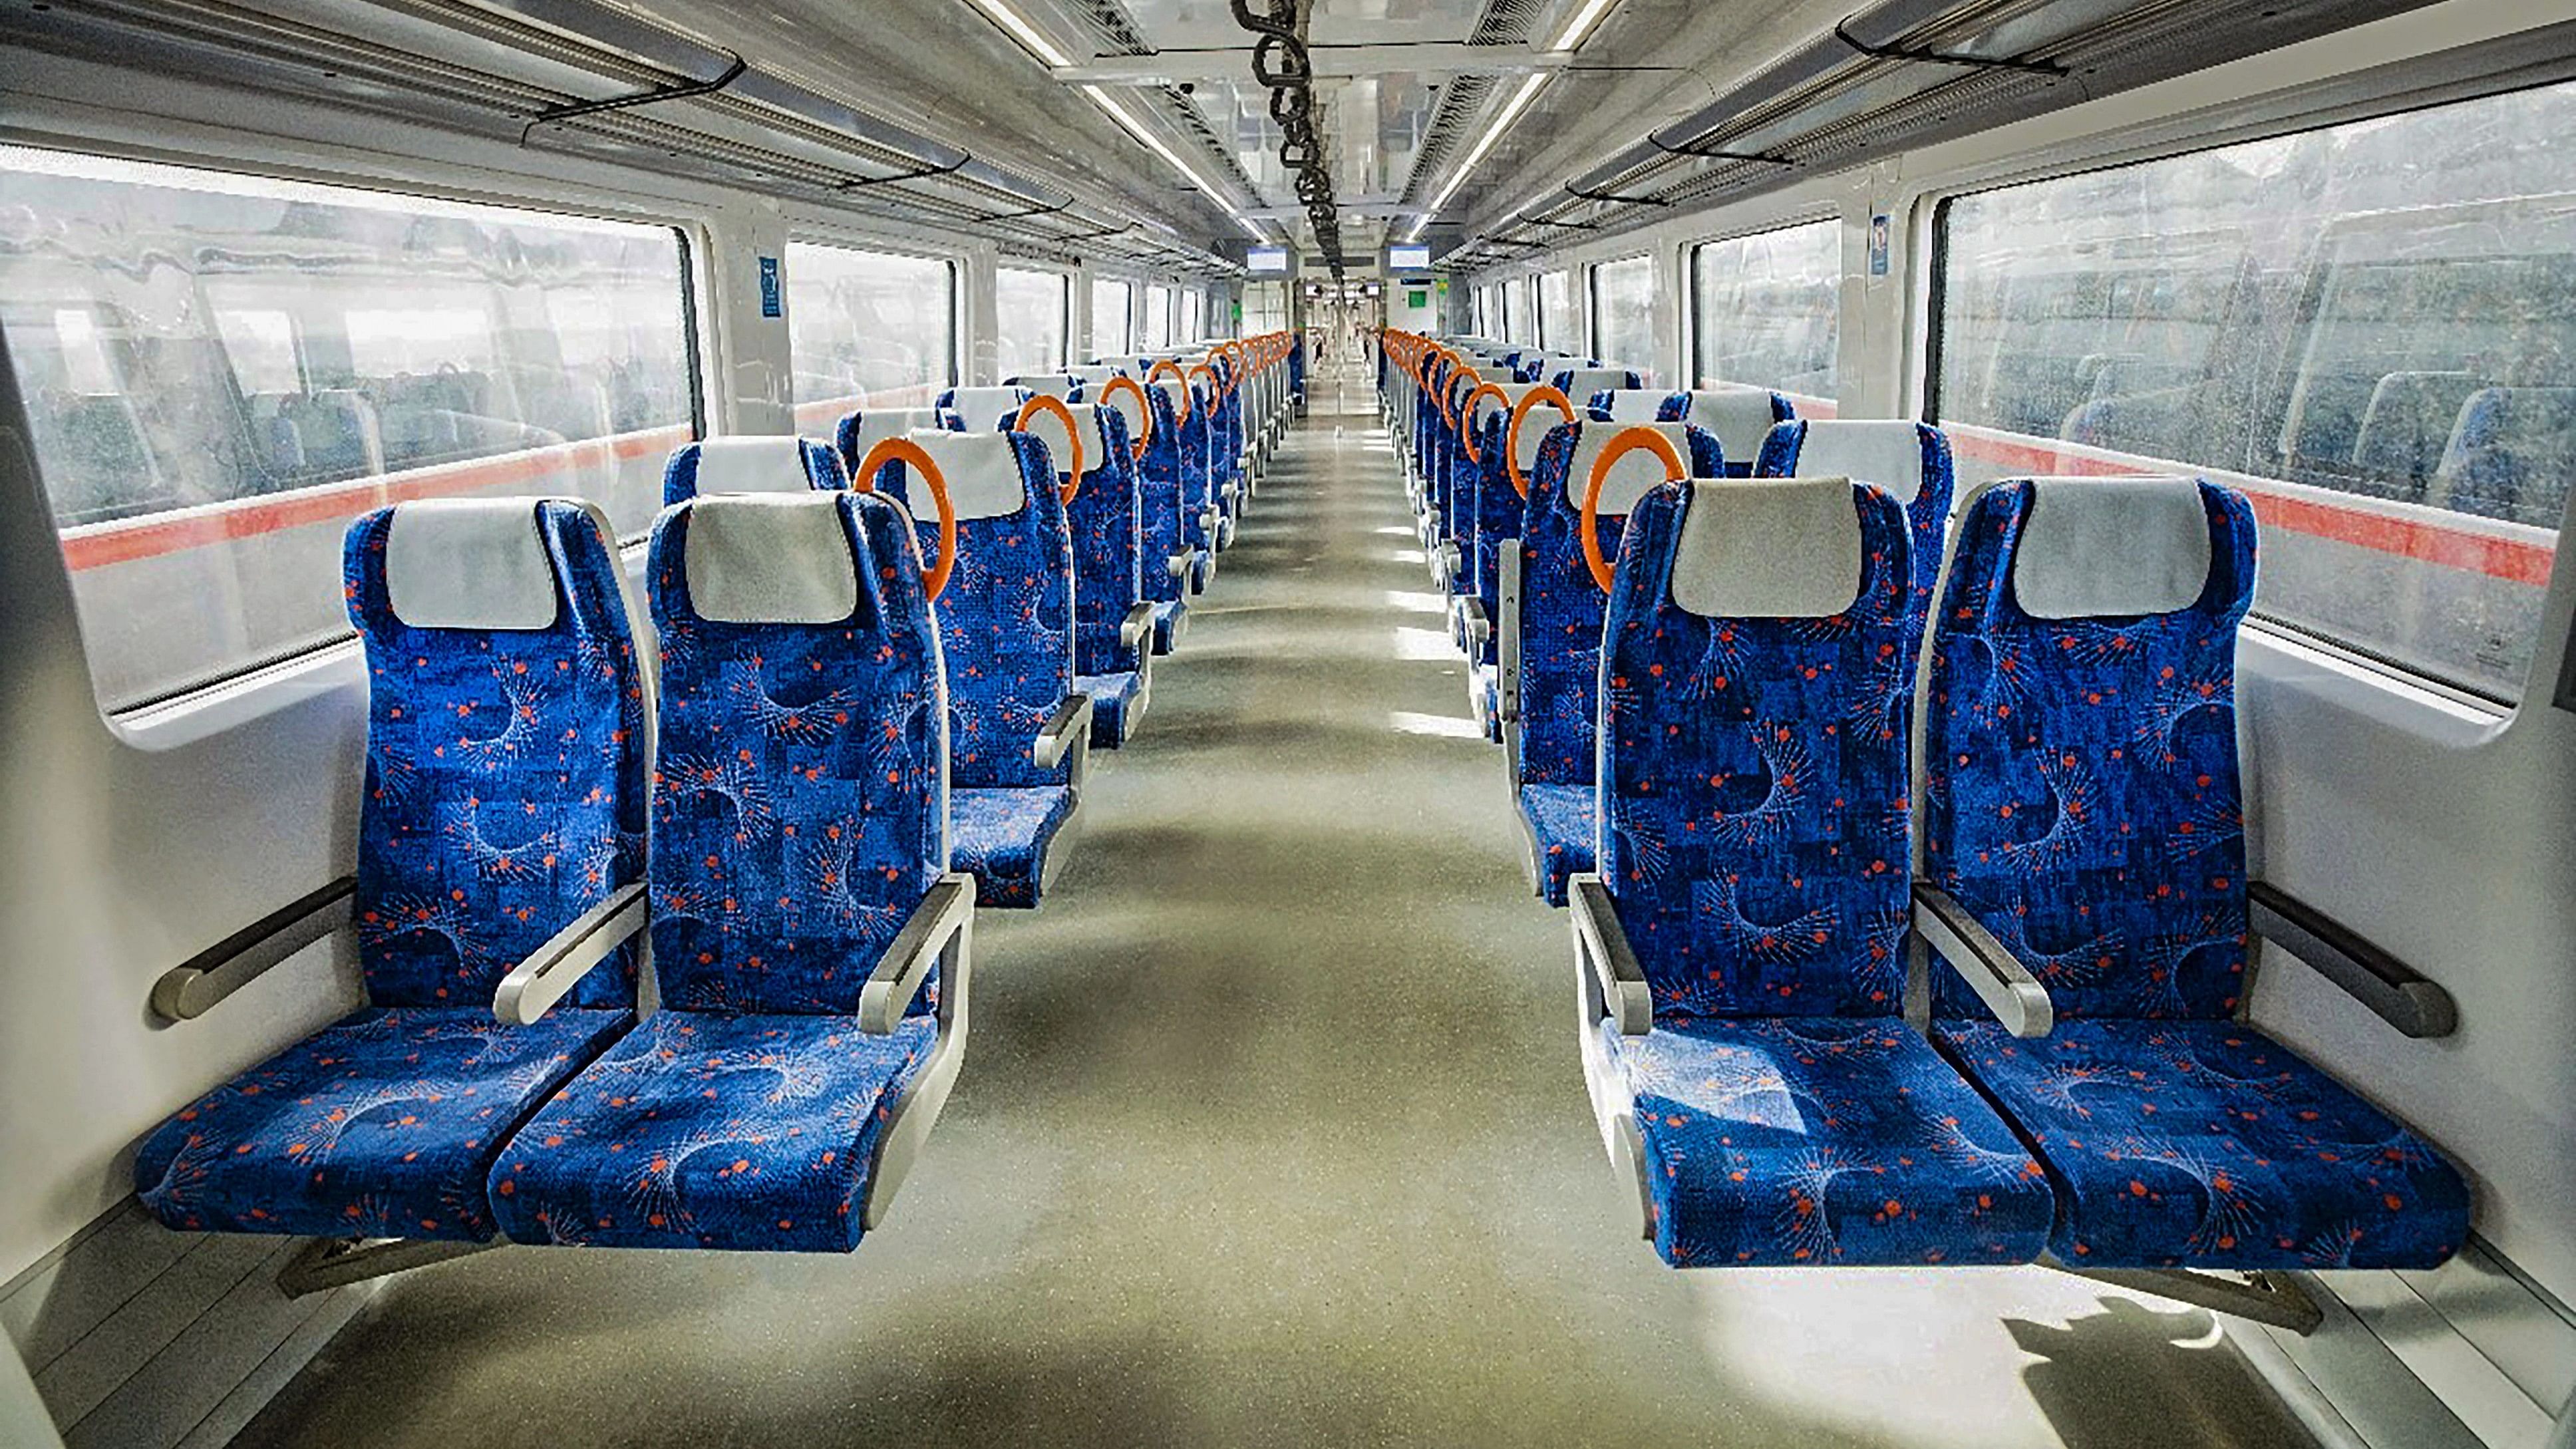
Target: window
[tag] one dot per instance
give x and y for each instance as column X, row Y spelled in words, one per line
column 867, row 329
column 2365, row 326
column 221, row 371
column 1193, row 314
column 1560, row 324
column 1113, row 319
column 1516, row 311
column 1623, row 314
column 1767, row 311
column 1031, row 313
column 1158, row 318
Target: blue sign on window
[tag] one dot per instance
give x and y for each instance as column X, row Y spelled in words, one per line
column 769, row 299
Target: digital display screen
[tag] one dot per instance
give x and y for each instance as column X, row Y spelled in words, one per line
column 1269, row 260
column 1408, row 259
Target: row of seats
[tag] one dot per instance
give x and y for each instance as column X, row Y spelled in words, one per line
column 1721, row 671
column 665, row 935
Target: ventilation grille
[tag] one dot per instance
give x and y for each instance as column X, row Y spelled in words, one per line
column 1116, row 29
column 1501, row 22
column 1180, row 110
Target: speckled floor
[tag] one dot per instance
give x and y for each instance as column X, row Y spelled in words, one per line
column 1271, row 1132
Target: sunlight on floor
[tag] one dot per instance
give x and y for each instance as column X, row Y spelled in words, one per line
column 1447, row 726
column 1415, row 602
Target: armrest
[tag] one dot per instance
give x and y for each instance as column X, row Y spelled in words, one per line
column 536, row 984
column 1507, row 629
column 1986, row 964
column 1479, row 628
column 1603, row 946
column 1136, row 631
column 939, row 923
column 191, row 988
column 1446, row 563
column 2369, row 974
column 1067, row 731
column 1178, row 565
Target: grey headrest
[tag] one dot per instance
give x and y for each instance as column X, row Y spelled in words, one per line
column 2095, row 547
column 1512, row 393
column 1887, row 452
column 983, row 408
column 1178, row 392
column 1632, row 477
column 469, row 563
column 1738, row 417
column 981, row 470
column 1131, row 407
column 770, row 558
column 877, row 425
column 1582, row 382
column 1768, row 548
column 746, row 464
column 1630, row 405
column 1048, row 385
column 1094, row 376
column 1047, row 428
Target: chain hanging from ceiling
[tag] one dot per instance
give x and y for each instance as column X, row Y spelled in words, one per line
column 1281, row 65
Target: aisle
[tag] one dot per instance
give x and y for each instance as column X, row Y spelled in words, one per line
column 1271, row 1132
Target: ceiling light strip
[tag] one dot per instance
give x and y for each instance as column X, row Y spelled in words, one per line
column 1512, row 109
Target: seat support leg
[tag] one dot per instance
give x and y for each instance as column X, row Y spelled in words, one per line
column 2264, row 1296
column 327, row 1263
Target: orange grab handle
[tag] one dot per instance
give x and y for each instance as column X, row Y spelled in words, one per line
column 1048, row 403
column 1469, row 408
column 1155, row 374
column 934, row 581
column 1144, row 409
column 1630, row 440
column 1512, row 436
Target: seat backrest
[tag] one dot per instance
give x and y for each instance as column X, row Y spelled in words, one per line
column 1560, row 641
column 1092, row 377
column 507, row 738
column 980, row 409
column 1189, row 439
column 1047, row 384
column 1107, row 521
column 1160, row 496
column 1740, row 418
column 2510, row 455
column 2079, row 739
column 1634, row 405
column 1006, row 619
column 2408, row 423
column 751, row 463
column 800, row 810
column 1908, row 461
column 861, row 431
column 1756, row 716
column 1580, row 383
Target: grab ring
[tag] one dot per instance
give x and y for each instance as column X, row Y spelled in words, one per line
column 1629, row 440
column 1545, row 393
column 1048, row 403
column 934, row 581
column 1144, row 409
column 1468, row 429
column 1155, row 374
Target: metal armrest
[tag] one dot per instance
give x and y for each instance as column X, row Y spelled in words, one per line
column 1615, row 984
column 1986, row 964
column 1067, row 731
column 1507, row 629
column 1136, row 631
column 1479, row 628
column 937, row 927
column 2368, row 973
column 1178, row 565
column 191, row 988
column 1447, row 563
column 536, row 984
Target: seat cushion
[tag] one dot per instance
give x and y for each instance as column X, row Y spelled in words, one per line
column 1823, row 1141
column 1001, row 837
column 1562, row 820
column 382, row 1125
column 1115, row 700
column 2206, row 1144
column 1171, row 616
column 706, row 1131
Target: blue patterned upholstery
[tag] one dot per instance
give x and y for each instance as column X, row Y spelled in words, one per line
column 1756, row 855
column 860, row 431
column 2082, row 801
column 1116, row 700
column 1162, row 533
column 1006, row 629
column 1636, row 405
column 1787, row 453
column 798, row 822
column 1107, row 523
column 1002, row 837
column 2510, row 455
column 1564, row 825
column 504, row 796
column 1561, row 613
column 1199, row 470
column 822, row 468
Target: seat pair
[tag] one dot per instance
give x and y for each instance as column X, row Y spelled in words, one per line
column 1744, row 948
column 809, row 952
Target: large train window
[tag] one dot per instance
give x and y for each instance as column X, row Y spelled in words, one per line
column 221, row 371
column 2365, row 326
column 1193, row 314
column 1158, row 318
column 1031, row 314
column 1113, row 317
column 1623, row 314
column 1560, row 324
column 867, row 329
column 1516, row 311
column 1766, row 310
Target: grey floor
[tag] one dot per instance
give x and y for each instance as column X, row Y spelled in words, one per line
column 1271, row 1132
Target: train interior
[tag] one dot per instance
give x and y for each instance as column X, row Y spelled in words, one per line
column 1139, row 722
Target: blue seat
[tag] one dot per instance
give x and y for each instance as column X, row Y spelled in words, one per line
column 752, row 463
column 1164, row 558
column 1637, row 405
column 1580, row 383
column 1910, row 461
column 1742, row 953
column 1062, row 386
column 1740, row 418
column 808, row 945
column 1019, row 732
column 1551, row 649
column 863, row 430
column 1493, row 513
column 1176, row 468
column 2510, row 455
column 1113, row 631
column 2083, row 809
column 979, row 409
column 504, row 805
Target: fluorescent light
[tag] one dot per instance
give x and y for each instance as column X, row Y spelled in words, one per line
column 1511, row 112
column 1024, row 32
column 1575, row 29
column 1154, row 143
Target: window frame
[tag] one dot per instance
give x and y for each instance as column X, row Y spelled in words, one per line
column 848, row 241
column 1064, row 292
column 1785, row 221
column 1592, row 298
column 1127, row 326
